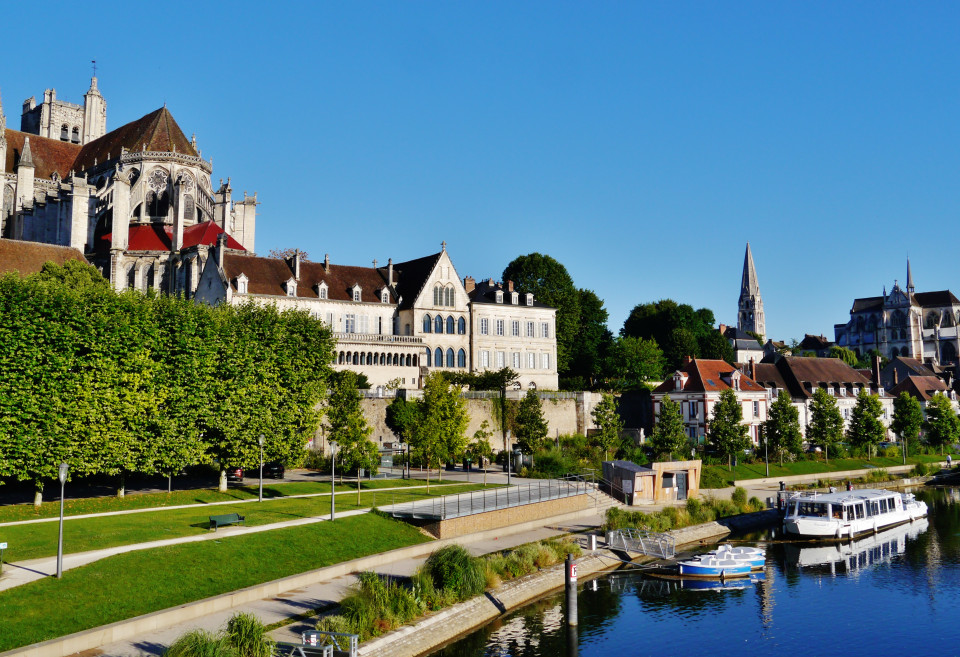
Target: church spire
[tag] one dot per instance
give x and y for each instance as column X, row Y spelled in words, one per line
column 910, row 289
column 750, row 308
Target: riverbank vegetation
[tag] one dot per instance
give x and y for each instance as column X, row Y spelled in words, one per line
column 451, row 575
column 696, row 511
column 243, row 636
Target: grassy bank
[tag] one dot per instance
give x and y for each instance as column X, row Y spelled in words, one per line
column 82, row 534
column 136, row 583
column 697, row 511
column 449, row 576
column 718, row 476
column 76, row 507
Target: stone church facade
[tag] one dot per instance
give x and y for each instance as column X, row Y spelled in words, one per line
column 906, row 323
column 138, row 200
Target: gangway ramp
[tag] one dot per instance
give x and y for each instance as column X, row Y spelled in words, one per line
column 643, row 542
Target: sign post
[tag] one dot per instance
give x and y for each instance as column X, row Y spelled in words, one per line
column 3, row 546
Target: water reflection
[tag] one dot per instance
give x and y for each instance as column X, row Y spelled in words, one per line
column 877, row 596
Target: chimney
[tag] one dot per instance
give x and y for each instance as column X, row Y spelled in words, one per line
column 390, row 272
column 896, row 376
column 876, row 370
column 221, row 247
column 326, row 262
column 469, row 284
column 722, row 328
column 687, row 360
column 509, row 286
column 296, row 264
column 752, row 372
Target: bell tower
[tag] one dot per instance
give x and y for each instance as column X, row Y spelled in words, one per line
column 750, row 308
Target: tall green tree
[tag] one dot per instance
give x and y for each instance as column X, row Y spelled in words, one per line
column 677, row 328
column 480, row 450
column 727, row 432
column 782, row 428
column 593, row 339
column 848, row 356
column 942, row 427
column 633, row 361
column 668, row 437
column 402, row 417
column 349, row 428
column 826, row 423
column 866, row 429
column 715, row 346
column 907, row 419
column 552, row 285
column 608, row 423
column 530, row 424
column 440, row 432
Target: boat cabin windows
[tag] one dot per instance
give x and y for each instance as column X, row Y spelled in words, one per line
column 855, row 511
column 836, row 511
column 812, row 509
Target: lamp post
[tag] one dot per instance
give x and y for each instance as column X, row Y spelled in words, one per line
column 62, row 475
column 260, row 440
column 509, row 456
column 333, row 454
column 766, row 457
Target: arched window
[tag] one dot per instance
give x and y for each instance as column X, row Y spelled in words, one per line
column 427, row 323
column 948, row 353
column 356, row 358
column 75, row 135
column 438, row 357
column 411, row 360
column 64, row 133
column 438, row 324
column 894, row 352
column 461, row 358
column 448, row 296
column 462, row 326
column 428, row 357
column 450, row 324
column 437, row 296
column 932, row 320
column 340, row 359
column 450, row 358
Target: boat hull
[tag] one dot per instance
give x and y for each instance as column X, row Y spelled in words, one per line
column 713, row 571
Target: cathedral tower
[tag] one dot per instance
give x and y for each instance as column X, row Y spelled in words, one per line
column 750, row 309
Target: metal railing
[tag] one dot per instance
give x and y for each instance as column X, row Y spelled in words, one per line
column 465, row 504
column 642, row 541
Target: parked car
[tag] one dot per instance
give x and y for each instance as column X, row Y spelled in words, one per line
column 273, row 469
column 234, row 473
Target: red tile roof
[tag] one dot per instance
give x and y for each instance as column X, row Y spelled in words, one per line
column 157, row 237
column 920, row 387
column 707, row 376
column 49, row 155
column 29, row 257
column 267, row 276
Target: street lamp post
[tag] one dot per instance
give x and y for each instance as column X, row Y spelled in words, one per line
column 63, row 480
column 766, row 457
column 509, row 457
column 333, row 454
column 260, row 440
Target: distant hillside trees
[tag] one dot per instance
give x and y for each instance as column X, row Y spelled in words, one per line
column 119, row 383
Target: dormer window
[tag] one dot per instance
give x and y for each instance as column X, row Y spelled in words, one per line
column 384, row 296
column 499, row 296
column 355, row 293
column 242, row 282
column 515, row 298
column 322, row 290
column 529, row 298
column 291, row 287
column 880, row 391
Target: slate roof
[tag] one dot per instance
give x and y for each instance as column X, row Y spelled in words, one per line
column 814, row 342
column 268, row 275
column 49, row 155
column 913, row 365
column 486, row 292
column 29, row 257
column 157, row 237
column 411, row 276
column 157, row 131
column 705, row 376
column 920, row 387
column 925, row 299
column 867, row 303
column 801, row 376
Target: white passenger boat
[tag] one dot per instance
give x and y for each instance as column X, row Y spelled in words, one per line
column 849, row 513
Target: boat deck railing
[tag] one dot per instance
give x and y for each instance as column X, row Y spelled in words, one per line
column 641, row 541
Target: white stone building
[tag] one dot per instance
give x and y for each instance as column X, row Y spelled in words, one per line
column 137, row 200
column 396, row 324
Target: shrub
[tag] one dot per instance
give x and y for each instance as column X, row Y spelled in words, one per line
column 200, row 643
column 920, row 470
column 249, row 636
column 891, row 452
column 756, row 504
column 454, row 569
column 739, row 496
column 879, row 474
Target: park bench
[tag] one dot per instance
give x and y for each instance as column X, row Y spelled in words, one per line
column 226, row 519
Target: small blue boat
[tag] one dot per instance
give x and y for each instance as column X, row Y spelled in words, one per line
column 713, row 567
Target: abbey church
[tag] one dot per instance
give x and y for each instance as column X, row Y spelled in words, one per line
column 138, row 200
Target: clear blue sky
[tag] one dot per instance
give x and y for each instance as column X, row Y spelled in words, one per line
column 640, row 144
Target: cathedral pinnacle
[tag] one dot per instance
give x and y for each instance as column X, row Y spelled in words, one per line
column 750, row 308
column 26, row 158
column 910, row 289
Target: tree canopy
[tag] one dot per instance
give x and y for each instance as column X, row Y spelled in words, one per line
column 631, row 362
column 866, row 430
column 942, row 427
column 439, row 434
column 677, row 328
column 668, row 438
column 782, row 428
column 826, row 423
column 727, row 433
column 907, row 418
column 531, row 427
column 608, row 422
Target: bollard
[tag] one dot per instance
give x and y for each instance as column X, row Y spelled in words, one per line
column 570, row 571
column 593, row 542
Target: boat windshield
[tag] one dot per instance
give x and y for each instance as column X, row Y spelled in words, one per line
column 812, row 509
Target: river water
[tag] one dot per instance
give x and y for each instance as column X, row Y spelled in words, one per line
column 894, row 594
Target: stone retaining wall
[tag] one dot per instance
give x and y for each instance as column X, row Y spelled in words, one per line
column 507, row 517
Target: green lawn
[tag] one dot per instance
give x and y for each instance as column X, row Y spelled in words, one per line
column 136, row 583
column 35, row 540
column 75, row 507
column 724, row 477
